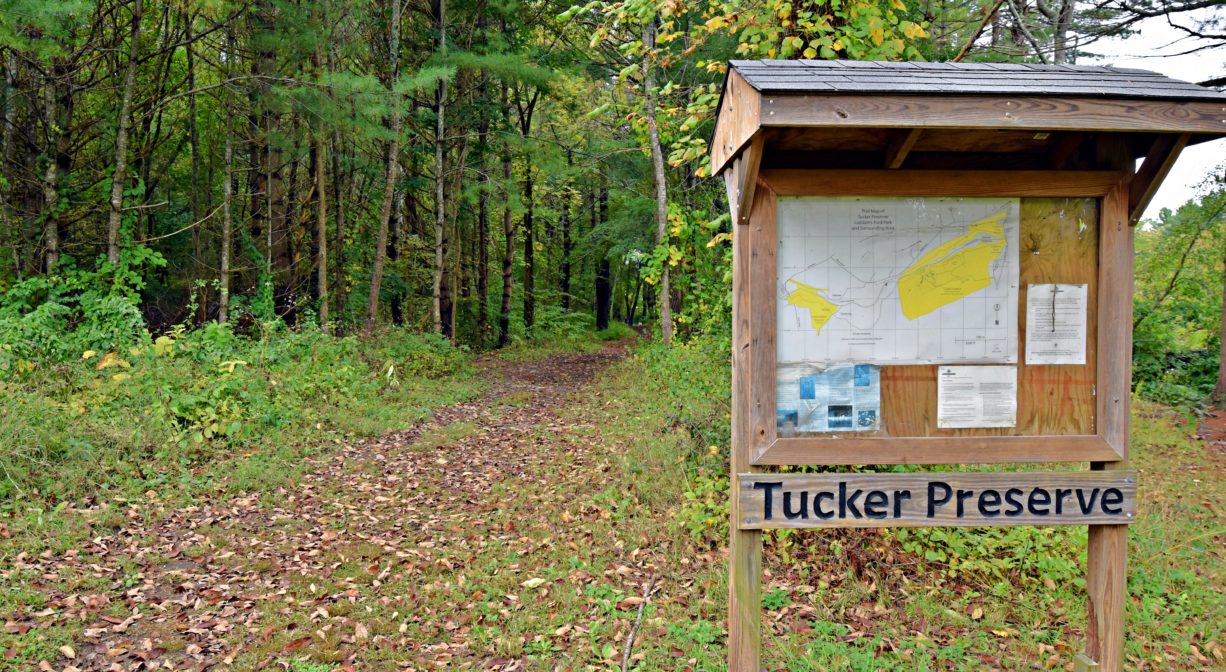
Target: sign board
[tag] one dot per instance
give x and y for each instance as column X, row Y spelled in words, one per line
column 769, row 501
column 930, row 267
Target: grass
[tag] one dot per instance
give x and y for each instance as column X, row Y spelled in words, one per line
column 622, row 486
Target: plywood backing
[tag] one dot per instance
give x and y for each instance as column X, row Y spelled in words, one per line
column 1059, row 244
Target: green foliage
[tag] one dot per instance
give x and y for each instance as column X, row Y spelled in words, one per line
column 156, row 409
column 775, row 599
column 702, row 633
column 1178, row 304
column 1018, row 554
column 48, row 319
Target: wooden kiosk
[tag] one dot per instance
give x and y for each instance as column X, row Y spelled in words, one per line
column 899, row 228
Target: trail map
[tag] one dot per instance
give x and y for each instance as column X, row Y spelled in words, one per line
column 897, row 280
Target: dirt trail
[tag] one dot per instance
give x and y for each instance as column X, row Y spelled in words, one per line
column 218, row 585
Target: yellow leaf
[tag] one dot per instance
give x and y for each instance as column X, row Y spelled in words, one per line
column 164, row 345
column 120, row 377
column 977, row 613
column 533, row 583
column 230, row 365
column 88, row 354
column 112, row 359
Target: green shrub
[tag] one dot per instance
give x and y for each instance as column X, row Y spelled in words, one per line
column 77, row 421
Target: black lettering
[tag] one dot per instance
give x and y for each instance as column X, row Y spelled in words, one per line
column 848, row 503
column 876, row 504
column 787, row 506
column 989, row 503
column 817, row 505
column 1086, row 508
column 767, row 496
column 1015, row 504
column 933, row 501
column 1038, row 498
column 963, row 495
column 900, row 495
column 1061, row 495
column 1113, row 507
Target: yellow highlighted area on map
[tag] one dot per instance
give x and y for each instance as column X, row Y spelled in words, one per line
column 820, row 308
column 952, row 271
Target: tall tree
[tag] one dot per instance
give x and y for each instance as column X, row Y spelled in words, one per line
column 658, row 176
column 121, row 137
column 391, row 164
column 440, row 205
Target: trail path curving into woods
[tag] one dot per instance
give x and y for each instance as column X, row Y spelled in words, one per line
column 361, row 564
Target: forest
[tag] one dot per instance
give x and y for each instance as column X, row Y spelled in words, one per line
column 246, row 246
column 483, row 171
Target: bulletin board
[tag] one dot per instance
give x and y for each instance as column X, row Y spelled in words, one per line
column 1054, row 241
column 1040, row 246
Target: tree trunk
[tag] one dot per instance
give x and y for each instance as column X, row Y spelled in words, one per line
column 194, row 140
column 1219, row 392
column 389, row 186
column 339, row 205
column 10, row 232
column 657, row 164
column 121, row 140
column 321, row 234
column 604, row 286
column 529, row 253
column 227, row 231
column 483, row 247
column 453, row 248
column 342, row 293
column 51, row 194
column 565, row 224
column 440, row 253
column 508, row 255
column 395, row 301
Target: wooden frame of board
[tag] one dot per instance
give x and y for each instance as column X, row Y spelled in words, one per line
column 756, row 445
column 1110, row 268
column 848, row 129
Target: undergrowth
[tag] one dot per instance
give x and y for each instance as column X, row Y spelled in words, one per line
column 1010, row 594
column 142, row 412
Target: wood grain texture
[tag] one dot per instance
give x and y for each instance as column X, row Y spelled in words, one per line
column 934, row 450
column 745, row 546
column 1005, row 112
column 936, row 499
column 736, row 123
column 898, row 149
column 732, row 184
column 1057, row 405
column 882, row 182
column 1059, row 244
column 749, row 163
column 1115, row 262
column 1158, row 162
column 763, row 293
column 1107, row 546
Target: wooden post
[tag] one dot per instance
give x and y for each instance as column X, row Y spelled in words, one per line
column 745, row 548
column 1107, row 550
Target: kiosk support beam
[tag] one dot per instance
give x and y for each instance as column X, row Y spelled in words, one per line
column 1158, row 161
column 1107, row 551
column 745, row 550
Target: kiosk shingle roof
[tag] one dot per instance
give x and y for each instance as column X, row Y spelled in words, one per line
column 833, row 77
